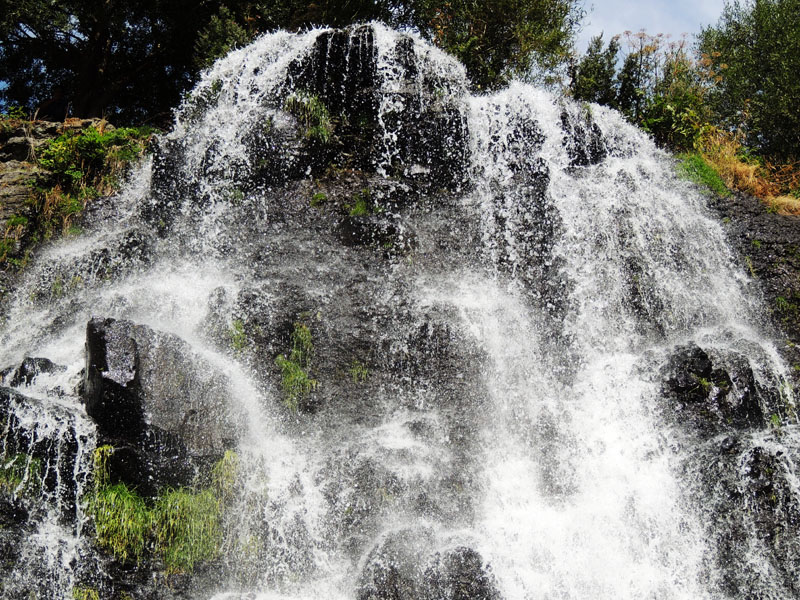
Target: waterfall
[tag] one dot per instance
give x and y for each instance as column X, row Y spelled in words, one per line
column 527, row 363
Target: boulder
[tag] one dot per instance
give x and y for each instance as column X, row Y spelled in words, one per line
column 402, row 567
column 29, row 370
column 718, row 393
column 162, row 407
column 459, row 574
column 393, row 569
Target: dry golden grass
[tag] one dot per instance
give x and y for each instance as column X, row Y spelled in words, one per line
column 768, row 182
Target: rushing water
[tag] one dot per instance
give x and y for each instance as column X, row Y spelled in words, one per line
column 514, row 410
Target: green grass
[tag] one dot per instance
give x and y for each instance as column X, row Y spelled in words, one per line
column 296, row 381
column 180, row 526
column 85, row 593
column 363, row 204
column 319, row 199
column 358, row 372
column 692, row 166
column 312, row 114
column 20, row 474
column 186, row 524
column 237, row 336
column 122, row 521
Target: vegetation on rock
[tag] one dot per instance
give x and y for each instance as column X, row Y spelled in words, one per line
column 296, row 380
column 181, row 527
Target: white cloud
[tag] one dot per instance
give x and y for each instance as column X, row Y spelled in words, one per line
column 673, row 17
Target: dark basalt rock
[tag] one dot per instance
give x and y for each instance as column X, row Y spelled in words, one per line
column 459, row 574
column 402, row 567
column 36, row 430
column 376, row 230
column 394, row 568
column 719, row 393
column 582, row 139
column 748, row 501
column 26, row 372
column 160, row 404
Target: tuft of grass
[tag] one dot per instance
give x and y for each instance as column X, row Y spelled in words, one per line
column 85, row 593
column 363, row 204
column 122, row 521
column 319, row 199
column 181, row 526
column 20, row 474
column 776, row 185
column 187, row 529
column 313, row 114
column 694, row 167
column 296, row 380
column 224, row 475
column 358, row 372
column 237, row 336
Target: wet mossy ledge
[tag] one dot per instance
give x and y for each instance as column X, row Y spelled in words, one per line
column 178, row 527
column 51, row 171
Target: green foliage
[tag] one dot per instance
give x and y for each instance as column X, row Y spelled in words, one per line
column 296, row 381
column 594, row 77
column 358, row 372
column 81, row 165
column 694, row 167
column 362, row 205
column 224, row 475
column 238, row 336
column 319, row 199
column 20, row 474
column 752, row 56
column 182, row 527
column 85, row 593
column 127, row 60
column 500, row 39
column 186, row 527
column 14, row 113
column 122, row 521
column 218, row 37
column 312, row 114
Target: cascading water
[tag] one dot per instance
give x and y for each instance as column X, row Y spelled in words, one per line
column 538, row 371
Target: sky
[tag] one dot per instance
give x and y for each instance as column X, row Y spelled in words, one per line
column 673, row 17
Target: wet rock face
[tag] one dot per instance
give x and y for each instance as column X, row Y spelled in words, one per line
column 459, row 574
column 717, row 394
column 29, row 370
column 749, row 502
column 162, row 406
column 582, row 138
column 403, row 567
column 38, row 446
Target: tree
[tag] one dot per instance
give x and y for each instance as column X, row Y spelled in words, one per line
column 753, row 57
column 132, row 60
column 593, row 79
column 500, row 39
column 97, row 57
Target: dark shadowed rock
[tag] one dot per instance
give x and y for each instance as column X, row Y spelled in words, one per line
column 29, row 370
column 719, row 393
column 164, row 407
column 394, row 568
column 403, row 567
column 583, row 139
column 459, row 574
column 43, row 437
